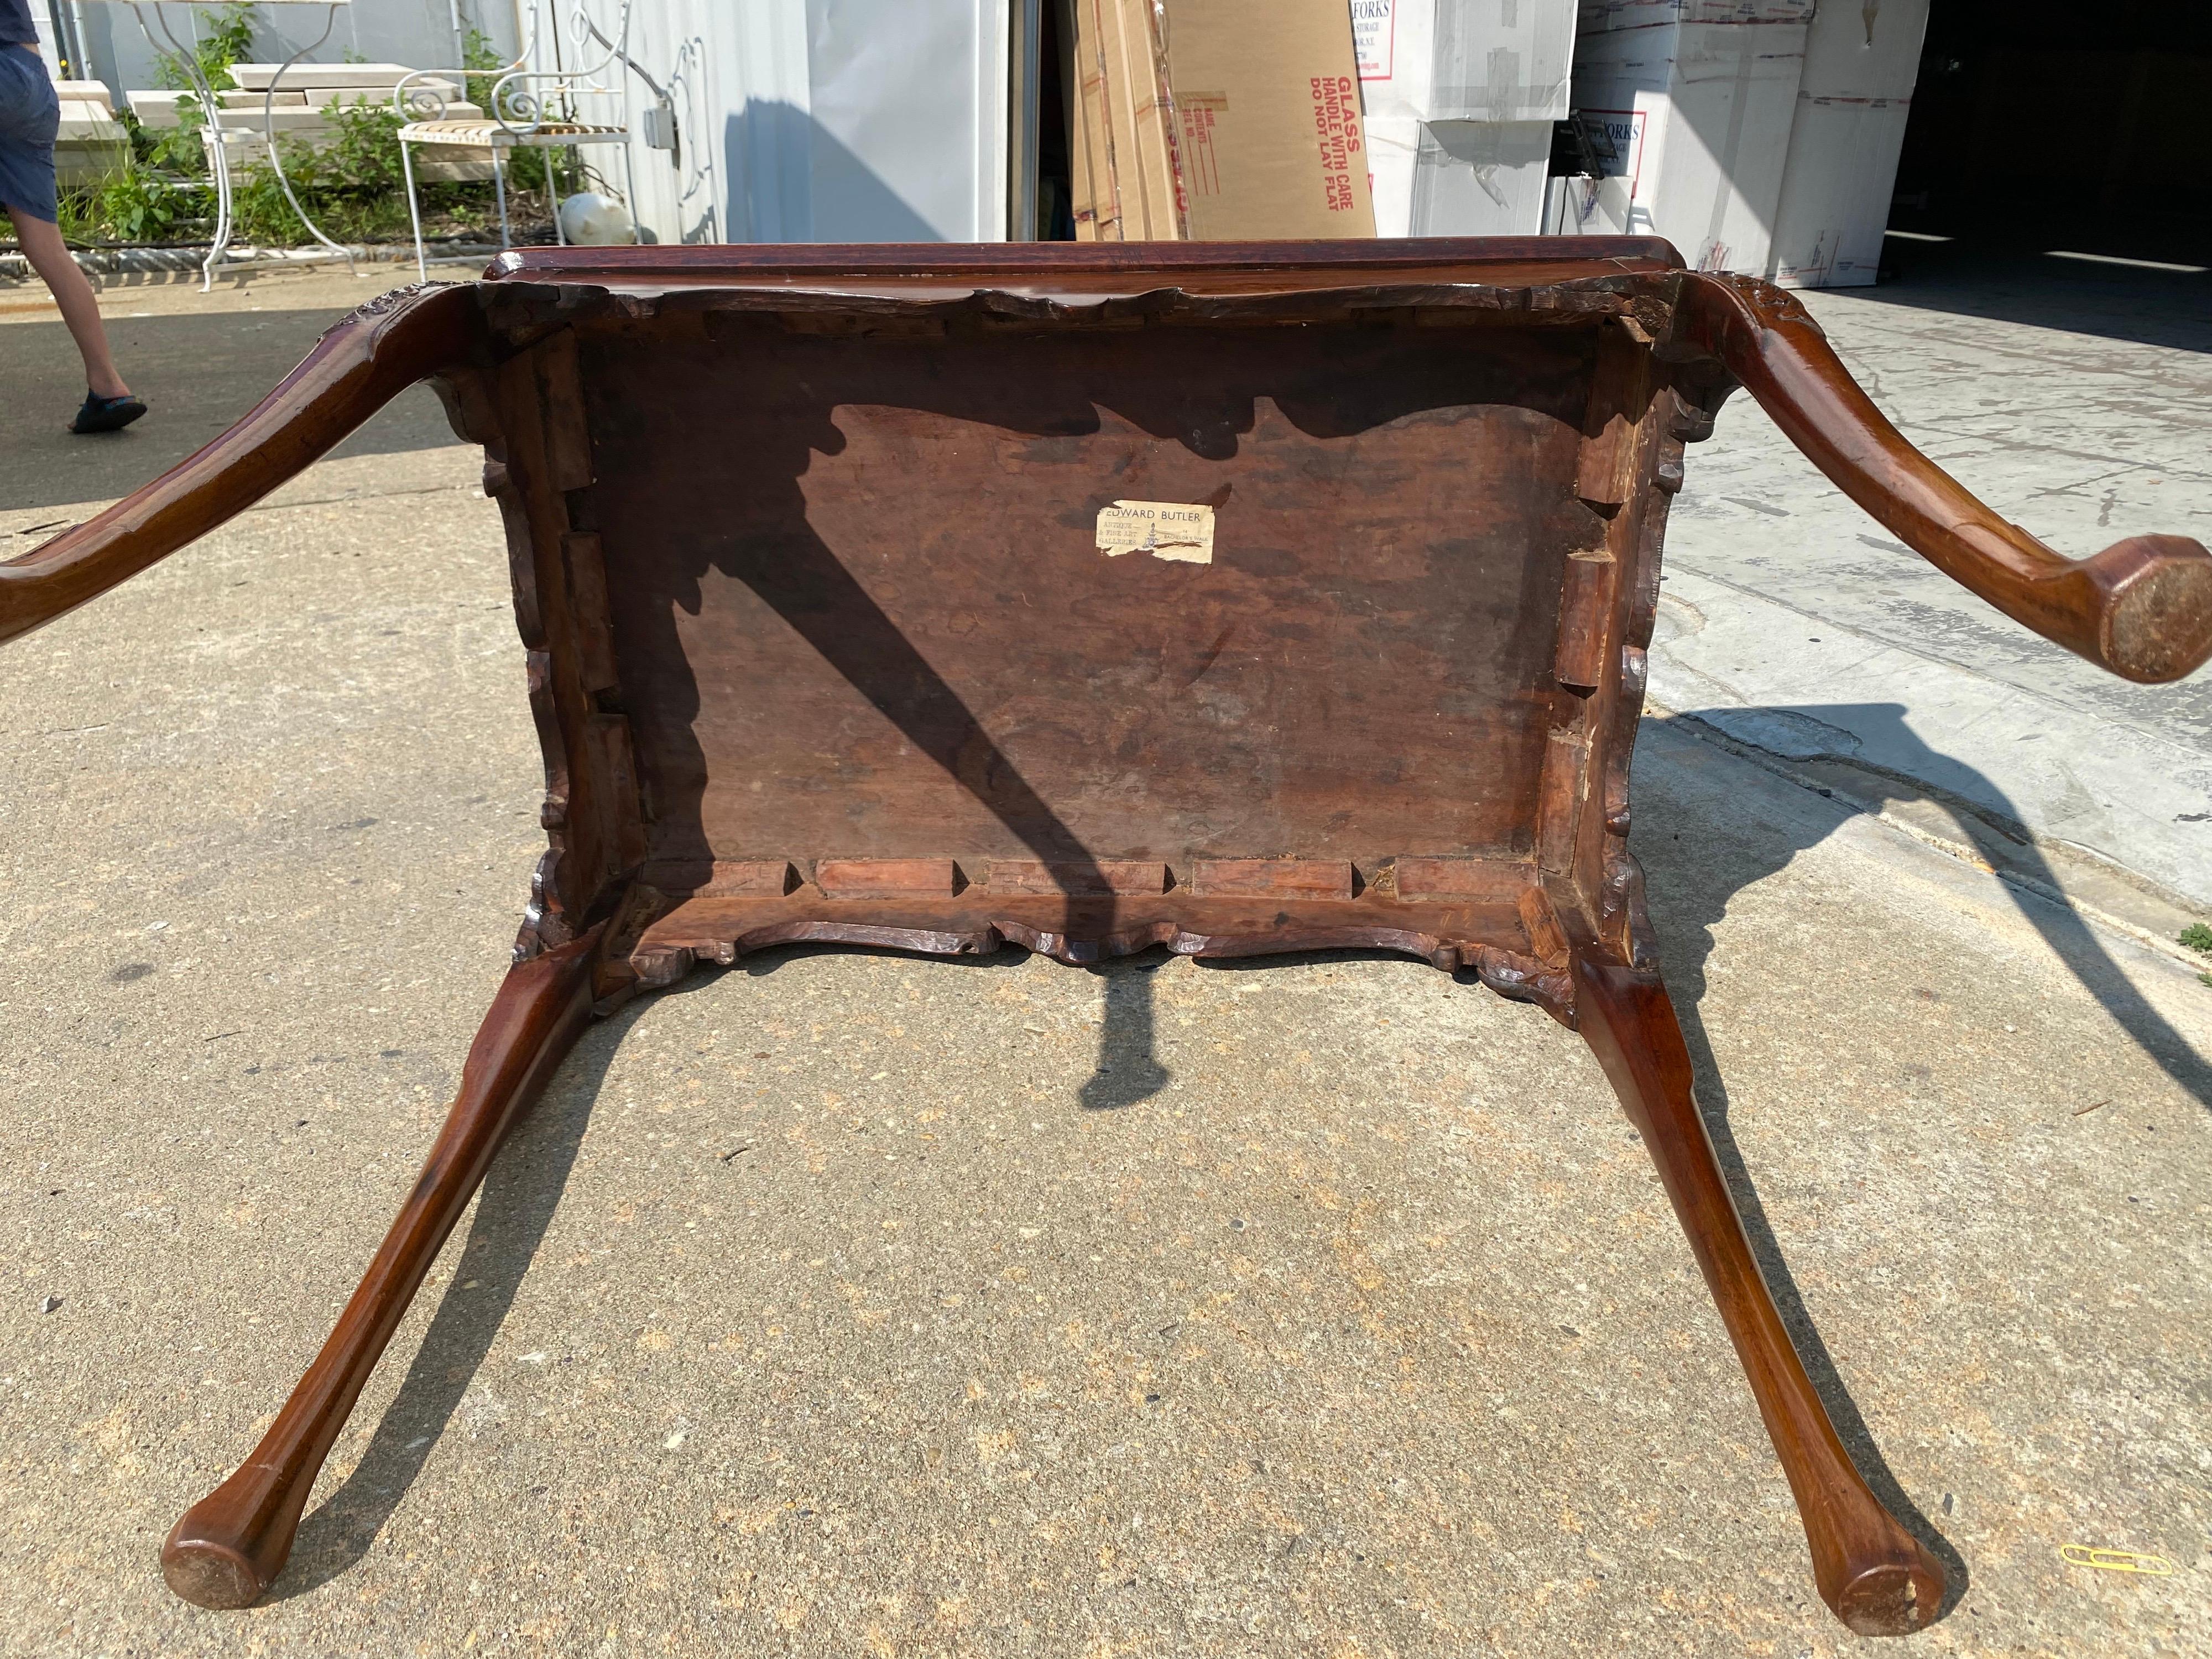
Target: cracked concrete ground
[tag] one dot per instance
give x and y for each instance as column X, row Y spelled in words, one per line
column 812, row 1312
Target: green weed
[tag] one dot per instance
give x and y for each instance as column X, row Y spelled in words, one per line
column 228, row 39
column 350, row 183
column 476, row 53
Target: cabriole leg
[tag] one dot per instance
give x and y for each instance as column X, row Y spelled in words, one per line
column 230, row 1545
column 1871, row 1571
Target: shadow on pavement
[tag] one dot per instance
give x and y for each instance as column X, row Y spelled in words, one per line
column 1696, row 868
column 1690, row 893
column 1882, row 728
column 1128, row 1069
column 516, row 1205
column 198, row 373
column 1975, row 278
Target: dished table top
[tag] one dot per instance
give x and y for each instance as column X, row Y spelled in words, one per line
column 1091, row 271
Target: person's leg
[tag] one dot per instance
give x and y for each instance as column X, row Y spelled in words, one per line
column 49, row 255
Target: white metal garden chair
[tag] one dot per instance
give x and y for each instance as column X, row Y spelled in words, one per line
column 534, row 104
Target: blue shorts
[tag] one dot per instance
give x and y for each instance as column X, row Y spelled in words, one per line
column 30, row 115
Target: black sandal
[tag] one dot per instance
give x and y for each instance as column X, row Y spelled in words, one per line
column 107, row 414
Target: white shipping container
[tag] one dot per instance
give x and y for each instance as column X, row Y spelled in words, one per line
column 1464, row 60
column 1853, row 101
column 1459, row 97
column 42, row 25
column 1700, row 112
column 907, row 110
column 1458, row 178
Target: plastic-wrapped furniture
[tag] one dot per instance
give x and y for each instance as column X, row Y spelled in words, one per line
column 1236, row 598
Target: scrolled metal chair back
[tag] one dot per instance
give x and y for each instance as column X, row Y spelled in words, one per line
column 528, row 94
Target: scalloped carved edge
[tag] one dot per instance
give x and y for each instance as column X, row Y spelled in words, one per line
column 1521, row 978
column 390, row 301
column 1776, row 305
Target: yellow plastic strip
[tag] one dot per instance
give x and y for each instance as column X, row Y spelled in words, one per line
column 2083, row 1555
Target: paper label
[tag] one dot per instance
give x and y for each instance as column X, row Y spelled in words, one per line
column 1201, row 168
column 1166, row 530
column 1373, row 38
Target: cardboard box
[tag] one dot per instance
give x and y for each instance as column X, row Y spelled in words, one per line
column 1140, row 121
column 1853, row 99
column 1698, row 97
column 1269, row 132
column 1123, row 126
column 1218, row 119
column 1096, row 204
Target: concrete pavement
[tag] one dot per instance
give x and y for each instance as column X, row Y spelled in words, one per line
column 811, row 1313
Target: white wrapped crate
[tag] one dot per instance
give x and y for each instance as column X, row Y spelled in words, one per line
column 88, row 92
column 1458, row 178
column 1698, row 97
column 286, row 119
column 1464, row 60
column 324, row 97
column 1459, row 96
column 90, row 143
column 1861, row 63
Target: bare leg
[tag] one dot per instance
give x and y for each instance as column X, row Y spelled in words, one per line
column 230, row 1545
column 50, row 257
column 1871, row 1573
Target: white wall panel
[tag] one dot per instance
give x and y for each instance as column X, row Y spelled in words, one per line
column 821, row 120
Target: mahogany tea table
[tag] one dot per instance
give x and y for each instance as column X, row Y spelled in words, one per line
column 1233, row 597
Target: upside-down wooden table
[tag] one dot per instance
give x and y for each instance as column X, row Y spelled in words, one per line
column 1236, row 598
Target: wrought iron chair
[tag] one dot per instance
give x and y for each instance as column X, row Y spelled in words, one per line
column 534, row 104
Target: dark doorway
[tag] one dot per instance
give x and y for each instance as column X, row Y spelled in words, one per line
column 2042, row 125
column 1056, row 122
